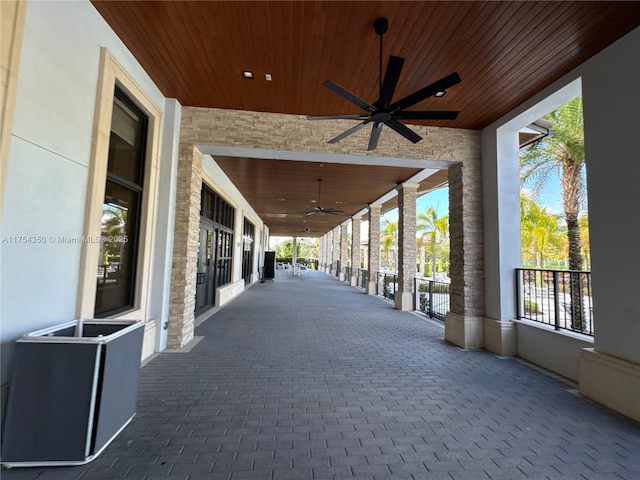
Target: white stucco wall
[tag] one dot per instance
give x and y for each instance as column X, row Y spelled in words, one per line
column 48, row 164
column 611, row 90
column 609, row 83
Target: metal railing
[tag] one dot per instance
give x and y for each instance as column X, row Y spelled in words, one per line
column 431, row 297
column 363, row 278
column 559, row 298
column 347, row 274
column 387, row 285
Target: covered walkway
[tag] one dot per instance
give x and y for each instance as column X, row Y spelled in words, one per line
column 305, row 378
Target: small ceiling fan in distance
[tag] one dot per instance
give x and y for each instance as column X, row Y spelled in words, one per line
column 307, row 229
column 319, row 209
column 382, row 111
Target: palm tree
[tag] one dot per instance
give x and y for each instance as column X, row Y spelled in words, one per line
column 389, row 237
column 563, row 153
column 583, row 221
column 540, row 230
column 433, row 233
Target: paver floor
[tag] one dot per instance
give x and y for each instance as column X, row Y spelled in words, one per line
column 306, row 378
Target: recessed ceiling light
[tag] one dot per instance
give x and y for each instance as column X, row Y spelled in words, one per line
column 440, row 94
column 267, row 77
column 247, row 74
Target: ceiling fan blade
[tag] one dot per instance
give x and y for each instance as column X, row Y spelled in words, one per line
column 391, row 77
column 349, row 132
column 375, row 136
column 347, row 95
column 426, row 115
column 403, row 130
column 426, row 92
column 355, row 116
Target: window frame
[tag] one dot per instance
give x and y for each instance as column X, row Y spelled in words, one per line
column 112, row 75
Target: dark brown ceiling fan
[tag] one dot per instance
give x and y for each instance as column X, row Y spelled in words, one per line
column 382, row 111
column 307, row 229
column 319, row 209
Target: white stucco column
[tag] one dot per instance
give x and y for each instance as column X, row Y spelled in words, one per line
column 344, row 251
column 374, row 248
column 610, row 372
column 501, row 216
column 406, row 245
column 355, row 250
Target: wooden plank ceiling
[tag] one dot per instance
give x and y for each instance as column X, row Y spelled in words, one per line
column 285, row 191
column 505, row 52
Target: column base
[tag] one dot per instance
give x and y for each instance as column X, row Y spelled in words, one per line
column 403, row 301
column 372, row 288
column 465, row 332
column 500, row 337
column 610, row 381
column 354, row 281
column 341, row 277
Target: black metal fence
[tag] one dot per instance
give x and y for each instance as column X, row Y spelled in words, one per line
column 363, row 278
column 347, row 274
column 431, row 297
column 559, row 298
column 387, row 285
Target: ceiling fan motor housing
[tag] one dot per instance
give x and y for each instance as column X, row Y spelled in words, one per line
column 381, row 26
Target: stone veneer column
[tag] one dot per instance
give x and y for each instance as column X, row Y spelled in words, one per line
column 355, row 250
column 330, row 253
column 182, row 301
column 335, row 251
column 374, row 248
column 294, row 253
column 464, row 322
column 406, row 245
column 344, row 252
column 321, row 254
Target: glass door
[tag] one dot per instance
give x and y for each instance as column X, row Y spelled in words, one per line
column 204, row 280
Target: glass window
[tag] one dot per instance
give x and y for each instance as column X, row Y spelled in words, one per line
column 121, row 209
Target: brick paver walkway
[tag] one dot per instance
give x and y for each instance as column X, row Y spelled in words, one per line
column 306, row 378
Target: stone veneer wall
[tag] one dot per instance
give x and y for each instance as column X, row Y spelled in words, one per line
column 355, row 246
column 466, row 234
column 344, row 251
column 182, row 301
column 406, row 237
column 245, row 129
column 335, row 248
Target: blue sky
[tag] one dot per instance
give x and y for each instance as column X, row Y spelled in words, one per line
column 549, row 197
column 439, row 199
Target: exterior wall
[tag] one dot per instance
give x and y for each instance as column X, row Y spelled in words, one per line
column 50, row 163
column 355, row 250
column 344, row 257
column 12, row 16
column 609, row 372
column 185, row 247
column 272, row 131
column 374, row 248
column 406, row 245
column 335, row 248
column 555, row 351
column 464, row 323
